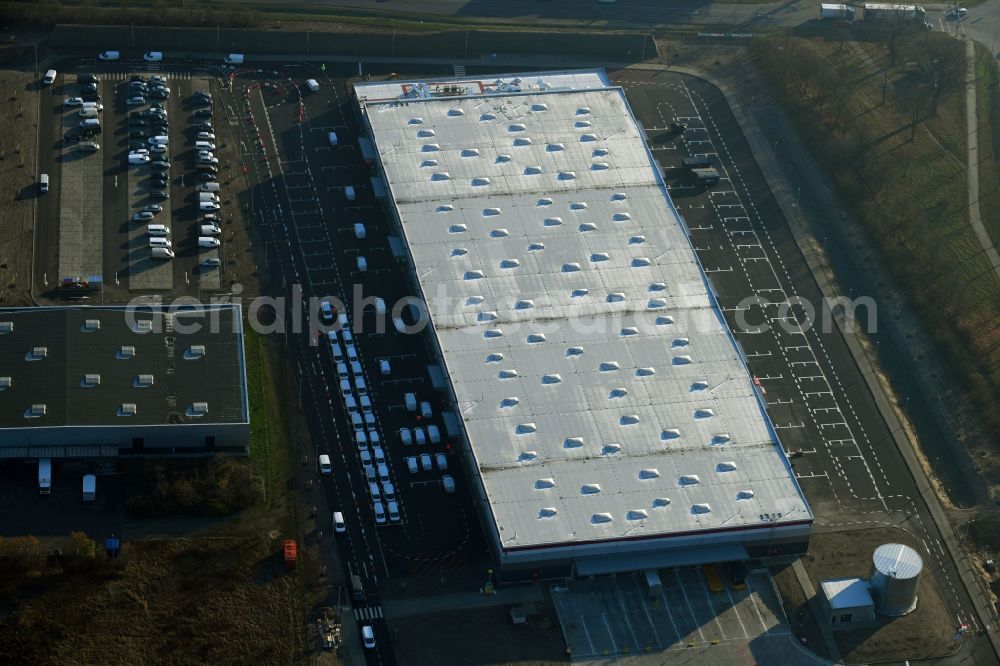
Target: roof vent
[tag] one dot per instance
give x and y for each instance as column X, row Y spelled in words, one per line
column 665, row 320
column 516, row 127
column 701, row 508
column 425, row 132
column 441, row 175
column 645, row 372
column 143, row 326
column 574, row 351
column 598, row 518
column 636, row 514
column 599, row 166
column 527, row 456
column 542, row 484
column 127, row 409
column 669, row 434
column 532, row 170
column 578, row 205
column 555, row 147
column 430, row 148
column 490, row 212
column 470, row 152
column 590, row 489
column 525, row 428
column 473, row 300
column 570, row 267
column 704, row 413
column 535, row 338
column 456, row 112
column 444, row 208
column 639, row 262
column 195, row 351
column 608, row 366
column 600, row 256
column 628, row 419
column 580, row 124
column 585, row 138
column 526, row 304
column 142, row 381
column 459, row 252
column 126, row 352
column 473, row 275
column 480, row 182
column 699, row 386
column 499, row 233
column 91, row 325
column 36, row 411
column 583, row 110
column 487, row 315
column 744, row 494
column 721, row 438
column 510, row 263
column 621, row 217
column 588, row 226
column 428, row 163
column 567, row 175
column 572, row 442
column 91, row 381
column 611, row 449
column 656, row 303
column 507, row 374
column 658, row 286
column 576, row 293
column 599, row 152
column 551, row 379
column 651, row 473
column 415, row 121
column 617, row 393
column 544, row 201
column 619, row 196
column 540, row 106
column 6, row 327
column 509, row 402
column 636, row 240
column 629, row 331
column 487, row 117
column 522, row 141
column 198, row 409
column 494, row 358
column 493, row 333
column 6, row 383
column 727, row 466
column 503, row 159
column 547, row 512
column 536, row 247
column 457, row 228
column 680, row 342
column 661, row 502
column 616, row 297
column 689, row 480
column 38, row 353
column 681, row 360
column 553, row 221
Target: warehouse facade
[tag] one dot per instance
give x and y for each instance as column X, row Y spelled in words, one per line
column 99, row 382
column 607, row 416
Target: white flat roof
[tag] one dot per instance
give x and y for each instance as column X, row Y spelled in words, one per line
column 843, row 593
column 601, row 392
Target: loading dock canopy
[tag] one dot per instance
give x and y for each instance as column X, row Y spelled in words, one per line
column 660, row 560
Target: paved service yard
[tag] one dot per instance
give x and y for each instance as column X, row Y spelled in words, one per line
column 81, row 197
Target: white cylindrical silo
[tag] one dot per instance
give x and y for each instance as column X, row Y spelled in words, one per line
column 895, row 573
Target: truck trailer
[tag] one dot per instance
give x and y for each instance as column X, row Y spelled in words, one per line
column 877, row 11
column 89, row 487
column 44, row 476
column 842, row 12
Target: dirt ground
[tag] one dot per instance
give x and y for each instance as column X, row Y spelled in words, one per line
column 926, row 632
column 196, row 600
column 481, row 636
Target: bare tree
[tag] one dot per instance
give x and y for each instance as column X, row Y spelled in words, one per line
column 913, row 101
column 942, row 67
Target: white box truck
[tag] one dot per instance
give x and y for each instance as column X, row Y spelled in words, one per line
column 234, row 59
column 89, row 487
column 45, row 476
column 831, row 11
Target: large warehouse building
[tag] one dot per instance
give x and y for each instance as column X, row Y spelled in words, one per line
column 608, row 417
column 99, row 382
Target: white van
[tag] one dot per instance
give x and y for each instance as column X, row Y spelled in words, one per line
column 234, row 59
column 393, row 511
column 89, row 123
column 208, row 196
column 380, row 519
column 157, row 230
column 50, row 77
column 405, row 436
column 448, row 484
column 339, row 526
column 208, row 241
column 210, row 230
column 350, row 193
column 362, row 264
column 368, row 636
column 375, row 491
column 360, row 385
column 359, row 231
column 425, row 410
column 349, row 401
column 361, row 438
column 204, row 145
column 203, row 205
column 418, row 435
column 434, row 434
column 209, row 187
column 313, row 85
column 383, row 473
column 205, row 136
column 383, row 367
column 332, row 138
column 161, row 140
column 153, row 56
column 410, row 399
column 159, row 241
column 324, row 464
column 43, row 183
column 162, row 253
column 109, row 55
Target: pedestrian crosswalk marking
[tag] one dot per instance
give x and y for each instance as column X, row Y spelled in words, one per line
column 368, row 613
column 123, row 76
column 459, row 70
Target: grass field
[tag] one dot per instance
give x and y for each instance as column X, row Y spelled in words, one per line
column 900, row 164
column 988, row 112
